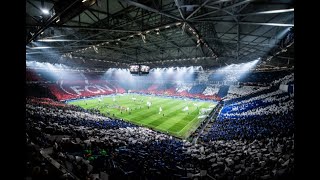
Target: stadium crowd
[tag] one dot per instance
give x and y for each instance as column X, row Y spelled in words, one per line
column 285, row 80
column 211, row 90
column 251, row 138
column 255, row 117
column 94, row 146
column 237, row 91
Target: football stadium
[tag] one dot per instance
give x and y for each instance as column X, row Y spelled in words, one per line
column 160, row 89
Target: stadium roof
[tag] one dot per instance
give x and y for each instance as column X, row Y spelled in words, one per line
column 159, row 33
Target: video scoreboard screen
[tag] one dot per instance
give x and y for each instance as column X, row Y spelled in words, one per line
column 134, row 69
column 139, row 69
column 144, row 69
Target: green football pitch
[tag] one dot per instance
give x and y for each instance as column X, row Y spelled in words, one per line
column 177, row 117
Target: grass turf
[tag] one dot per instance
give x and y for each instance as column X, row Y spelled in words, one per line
column 172, row 120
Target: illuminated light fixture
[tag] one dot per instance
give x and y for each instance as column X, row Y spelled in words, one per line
column 57, row 20
column 117, row 43
column 131, row 36
column 277, row 11
column 45, row 11
column 43, row 47
column 157, row 33
column 54, row 40
column 107, row 42
column 183, row 27
column 119, row 39
column 42, row 32
column 84, row 0
column 147, row 31
column 157, row 29
column 167, row 26
column 143, row 38
column 177, row 24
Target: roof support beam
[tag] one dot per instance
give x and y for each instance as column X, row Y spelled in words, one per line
column 222, row 9
column 34, row 6
column 247, row 22
column 108, row 13
column 94, row 15
column 89, row 16
column 204, row 41
column 134, row 19
column 119, row 51
column 151, row 29
column 98, row 11
column 79, row 22
column 171, row 42
column 219, row 2
column 99, row 33
column 36, row 20
column 178, row 6
column 47, row 23
column 244, row 42
column 150, row 9
column 126, row 23
column 204, row 3
column 88, row 28
column 278, row 11
column 256, row 39
column 252, row 14
column 255, row 29
column 129, row 45
column 267, row 24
